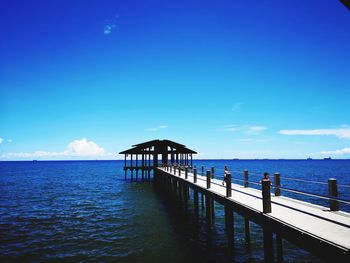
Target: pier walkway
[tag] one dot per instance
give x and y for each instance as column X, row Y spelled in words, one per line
column 313, row 227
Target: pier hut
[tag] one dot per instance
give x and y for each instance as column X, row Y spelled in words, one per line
column 169, row 152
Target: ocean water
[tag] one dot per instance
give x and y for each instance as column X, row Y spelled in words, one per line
column 86, row 211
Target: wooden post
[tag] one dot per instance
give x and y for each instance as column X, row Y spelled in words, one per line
column 333, row 192
column 246, row 184
column 266, row 196
column 247, row 230
column 186, row 172
column 208, row 179
column 179, row 170
column 191, row 160
column 279, row 248
column 228, row 185
column 277, row 182
column 268, row 245
column 195, row 175
column 212, row 172
column 125, row 173
column 202, row 170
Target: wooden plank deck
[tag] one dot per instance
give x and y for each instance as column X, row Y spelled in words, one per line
column 316, row 224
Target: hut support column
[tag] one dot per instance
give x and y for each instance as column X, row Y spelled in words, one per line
column 132, row 170
column 143, row 167
column 137, row 170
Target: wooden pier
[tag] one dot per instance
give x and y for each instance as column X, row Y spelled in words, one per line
column 323, row 231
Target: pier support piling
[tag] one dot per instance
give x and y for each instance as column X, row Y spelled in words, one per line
column 229, row 225
column 247, row 230
column 279, row 249
column 208, row 210
column 268, row 245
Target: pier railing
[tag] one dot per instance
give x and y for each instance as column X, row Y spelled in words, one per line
column 278, row 184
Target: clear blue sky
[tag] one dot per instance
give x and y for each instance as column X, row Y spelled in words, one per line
column 245, row 79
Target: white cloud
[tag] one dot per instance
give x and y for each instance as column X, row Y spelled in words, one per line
column 255, row 129
column 158, row 128
column 231, row 128
column 108, row 29
column 84, row 147
column 77, row 148
column 1, row 140
column 340, row 133
column 252, row 140
column 252, row 130
column 337, row 152
column 110, row 25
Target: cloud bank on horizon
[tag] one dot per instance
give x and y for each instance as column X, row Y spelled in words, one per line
column 77, row 148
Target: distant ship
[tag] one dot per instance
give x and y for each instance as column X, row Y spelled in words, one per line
column 327, row 158
column 309, row 159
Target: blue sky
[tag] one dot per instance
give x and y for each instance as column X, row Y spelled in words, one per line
column 229, row 79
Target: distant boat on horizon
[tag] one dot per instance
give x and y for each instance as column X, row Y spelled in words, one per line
column 309, row 159
column 327, row 158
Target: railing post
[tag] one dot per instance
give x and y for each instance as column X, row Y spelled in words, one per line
column 228, row 185
column 245, row 178
column 179, row 170
column 208, row 179
column 212, row 172
column 203, row 170
column 195, row 175
column 186, row 172
column 333, row 191
column 277, row 182
column 266, row 196
column 171, row 168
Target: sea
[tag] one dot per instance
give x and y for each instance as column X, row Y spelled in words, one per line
column 85, row 211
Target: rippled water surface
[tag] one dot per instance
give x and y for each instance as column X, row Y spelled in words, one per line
column 86, row 211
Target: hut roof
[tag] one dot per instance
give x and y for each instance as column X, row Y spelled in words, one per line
column 158, row 147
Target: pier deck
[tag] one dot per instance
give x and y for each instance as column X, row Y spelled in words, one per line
column 313, row 227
